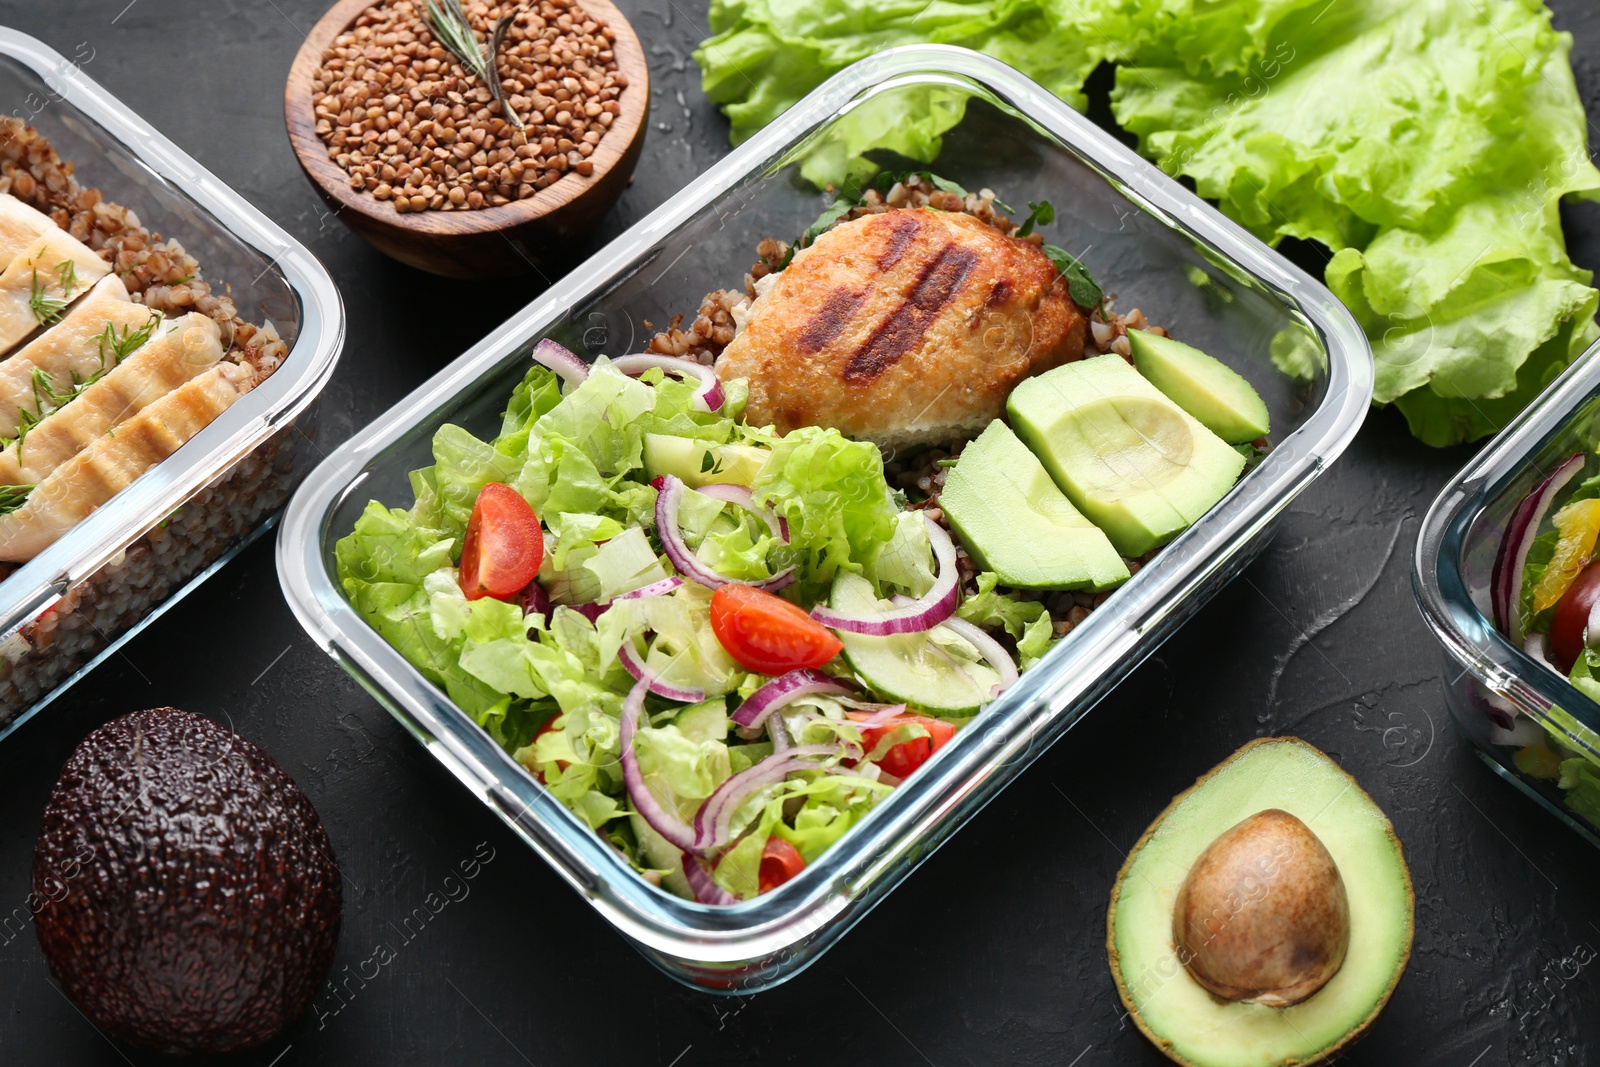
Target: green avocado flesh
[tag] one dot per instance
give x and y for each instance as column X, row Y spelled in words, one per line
column 1014, row 521
column 1139, row 466
column 924, row 670
column 1188, row 1023
column 695, row 463
column 1202, row 385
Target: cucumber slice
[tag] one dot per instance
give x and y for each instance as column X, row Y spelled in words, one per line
column 706, row 721
column 696, row 463
column 662, row 855
column 909, row 668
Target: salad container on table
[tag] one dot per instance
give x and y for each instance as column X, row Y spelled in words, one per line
column 1511, row 705
column 103, row 581
column 1140, row 233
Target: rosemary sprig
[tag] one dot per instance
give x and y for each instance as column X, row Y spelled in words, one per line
column 46, row 308
column 496, row 39
column 115, row 348
column 47, row 399
column 67, row 275
column 454, row 31
column 13, row 497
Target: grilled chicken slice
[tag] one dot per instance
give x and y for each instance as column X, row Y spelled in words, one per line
column 907, row 327
column 108, row 466
column 20, row 226
column 180, row 349
column 70, row 352
column 42, row 280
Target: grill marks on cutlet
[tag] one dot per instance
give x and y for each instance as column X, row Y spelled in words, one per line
column 824, row 327
column 939, row 284
column 902, row 231
column 841, row 305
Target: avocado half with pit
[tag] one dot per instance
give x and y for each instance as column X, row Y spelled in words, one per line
column 1265, row 917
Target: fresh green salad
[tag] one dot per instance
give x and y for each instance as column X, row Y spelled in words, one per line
column 719, row 646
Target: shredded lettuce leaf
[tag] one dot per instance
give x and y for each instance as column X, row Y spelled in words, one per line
column 549, row 686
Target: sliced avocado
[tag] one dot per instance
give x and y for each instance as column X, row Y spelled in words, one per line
column 1204, row 386
column 698, row 463
column 1229, row 859
column 909, row 668
column 1139, row 466
column 1013, row 520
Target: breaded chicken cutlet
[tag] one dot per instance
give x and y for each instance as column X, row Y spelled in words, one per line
column 907, row 327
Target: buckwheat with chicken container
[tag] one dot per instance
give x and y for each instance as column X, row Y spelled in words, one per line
column 160, row 342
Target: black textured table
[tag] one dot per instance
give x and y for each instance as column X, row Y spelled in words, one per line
column 992, row 953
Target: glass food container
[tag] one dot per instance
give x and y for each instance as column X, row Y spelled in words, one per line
column 1523, row 717
column 1141, row 234
column 112, row 574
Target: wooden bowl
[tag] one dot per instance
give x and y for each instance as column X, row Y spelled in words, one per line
column 490, row 242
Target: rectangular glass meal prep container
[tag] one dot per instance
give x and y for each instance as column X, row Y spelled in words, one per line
column 1490, row 683
column 138, row 554
column 1141, row 234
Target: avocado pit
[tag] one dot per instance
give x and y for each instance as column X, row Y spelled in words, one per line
column 1263, row 916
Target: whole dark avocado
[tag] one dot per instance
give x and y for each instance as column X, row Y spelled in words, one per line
column 188, row 900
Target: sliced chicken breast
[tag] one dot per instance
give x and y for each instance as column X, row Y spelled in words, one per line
column 42, row 281
column 72, row 351
column 109, row 465
column 907, row 327
column 180, row 349
column 20, row 226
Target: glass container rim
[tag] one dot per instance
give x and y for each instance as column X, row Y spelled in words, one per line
column 827, row 888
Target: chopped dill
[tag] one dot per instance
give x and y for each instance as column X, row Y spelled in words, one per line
column 46, row 308
column 13, row 497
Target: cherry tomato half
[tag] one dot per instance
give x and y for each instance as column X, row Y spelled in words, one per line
column 907, row 756
column 780, row 861
column 1571, row 617
column 504, row 546
column 768, row 634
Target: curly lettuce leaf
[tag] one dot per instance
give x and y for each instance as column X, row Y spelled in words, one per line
column 833, row 493
column 1448, row 248
column 765, row 55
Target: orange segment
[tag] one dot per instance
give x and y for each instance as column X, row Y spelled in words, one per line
column 1578, row 526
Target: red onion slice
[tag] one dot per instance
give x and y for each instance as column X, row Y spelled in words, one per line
column 991, row 650
column 712, row 824
column 664, row 586
column 702, row 885
column 877, row 714
column 924, row 613
column 739, row 495
column 634, row 666
column 709, row 395
column 666, row 823
column 786, row 689
column 668, row 497
column 592, row 612
column 779, row 733
column 1506, row 579
column 568, row 367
